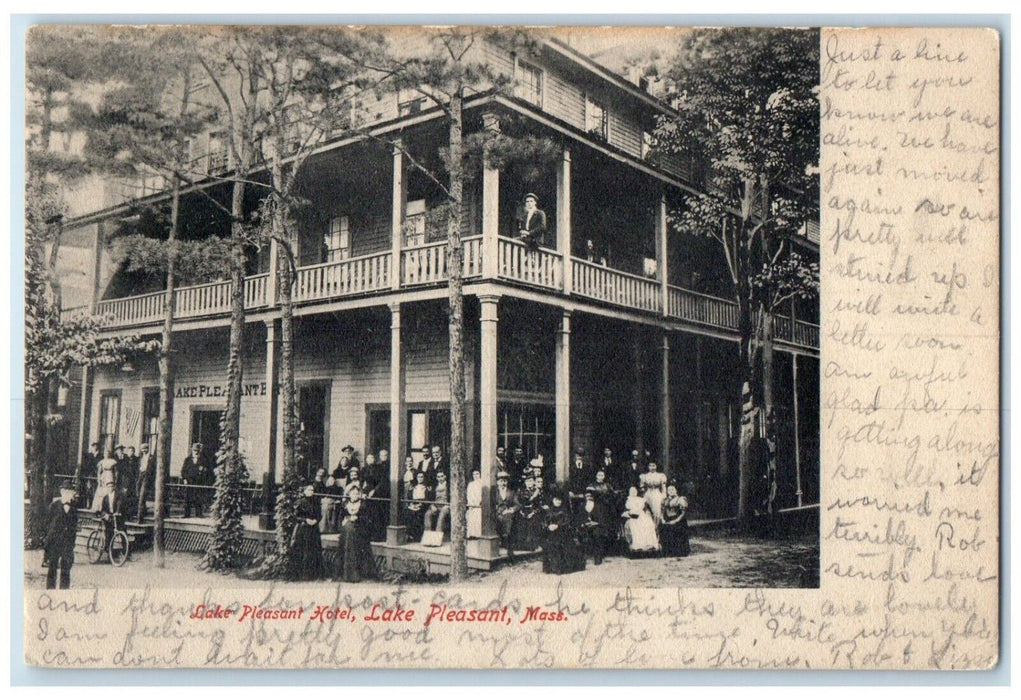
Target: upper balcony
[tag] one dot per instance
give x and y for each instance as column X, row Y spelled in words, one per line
column 426, row 265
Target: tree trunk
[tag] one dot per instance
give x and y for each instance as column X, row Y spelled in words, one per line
column 166, row 382
column 225, row 546
column 458, row 493
column 287, row 499
column 37, row 484
column 748, row 375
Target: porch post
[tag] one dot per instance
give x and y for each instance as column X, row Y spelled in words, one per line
column 662, row 255
column 397, row 221
column 664, row 416
column 490, row 213
column 563, row 396
column 564, row 218
column 797, row 431
column 637, row 394
column 487, row 546
column 395, row 532
column 272, row 394
column 84, row 429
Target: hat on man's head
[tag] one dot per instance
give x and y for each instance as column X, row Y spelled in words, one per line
column 197, row 446
column 502, row 475
column 67, row 485
column 580, row 451
column 531, row 195
column 348, row 448
column 537, row 462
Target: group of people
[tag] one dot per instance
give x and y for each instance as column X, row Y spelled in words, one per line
column 124, row 478
column 598, row 506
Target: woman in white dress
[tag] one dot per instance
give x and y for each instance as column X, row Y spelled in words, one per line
column 639, row 527
column 654, row 484
column 106, row 478
column 474, row 495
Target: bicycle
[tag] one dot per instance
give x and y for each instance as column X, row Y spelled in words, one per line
column 118, row 549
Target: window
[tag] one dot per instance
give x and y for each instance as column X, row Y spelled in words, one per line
column 217, row 153
column 150, row 418
column 109, row 420
column 597, row 119
column 528, row 427
column 646, row 145
column 337, row 240
column 313, row 411
column 529, row 83
column 414, row 223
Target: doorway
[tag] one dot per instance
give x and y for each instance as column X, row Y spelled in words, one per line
column 205, row 428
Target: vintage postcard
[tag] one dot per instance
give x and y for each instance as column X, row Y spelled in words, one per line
column 510, row 347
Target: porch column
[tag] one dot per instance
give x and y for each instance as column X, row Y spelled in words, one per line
column 272, row 395
column 637, row 394
column 397, row 221
column 84, row 420
column 662, row 255
column 664, row 408
column 490, row 213
column 564, row 218
column 563, row 396
column 395, row 532
column 487, row 546
column 797, row 431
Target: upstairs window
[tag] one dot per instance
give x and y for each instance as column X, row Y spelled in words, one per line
column 529, row 83
column 414, row 223
column 597, row 119
column 338, row 239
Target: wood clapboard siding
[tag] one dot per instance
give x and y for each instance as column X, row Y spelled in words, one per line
column 564, row 100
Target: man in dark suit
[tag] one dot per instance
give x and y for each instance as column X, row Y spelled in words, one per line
column 146, row 479
column 531, row 222
column 129, row 480
column 61, row 529
column 579, row 476
column 632, row 475
column 433, row 466
column 518, row 467
column 194, row 473
column 90, row 465
column 506, row 510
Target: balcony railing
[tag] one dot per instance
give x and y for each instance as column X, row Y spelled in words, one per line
column 615, row 287
column 361, row 275
column 701, row 308
column 540, row 267
column 427, row 265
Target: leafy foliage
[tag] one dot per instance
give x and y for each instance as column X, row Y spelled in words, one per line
column 225, row 545
column 196, row 262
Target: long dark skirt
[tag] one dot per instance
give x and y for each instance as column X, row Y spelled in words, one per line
column 308, row 553
column 530, row 528
column 674, row 539
column 355, row 560
column 562, row 555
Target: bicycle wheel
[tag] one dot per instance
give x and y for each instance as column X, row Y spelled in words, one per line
column 94, row 546
column 119, row 549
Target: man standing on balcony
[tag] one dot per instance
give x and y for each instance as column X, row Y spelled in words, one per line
column 531, row 222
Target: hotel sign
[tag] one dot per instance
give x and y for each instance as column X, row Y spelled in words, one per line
column 205, row 391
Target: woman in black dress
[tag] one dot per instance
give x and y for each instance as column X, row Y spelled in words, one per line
column 355, row 560
column 560, row 551
column 673, row 531
column 306, row 544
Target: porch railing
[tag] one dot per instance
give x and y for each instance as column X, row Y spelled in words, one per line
column 796, row 333
column 361, row 275
column 701, row 308
column 615, row 287
column 540, row 267
column 427, row 264
column 142, row 308
column 202, row 300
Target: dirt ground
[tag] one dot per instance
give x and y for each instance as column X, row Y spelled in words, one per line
column 717, row 560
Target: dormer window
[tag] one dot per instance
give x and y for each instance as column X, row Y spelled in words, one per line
column 529, row 83
column 597, row 119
